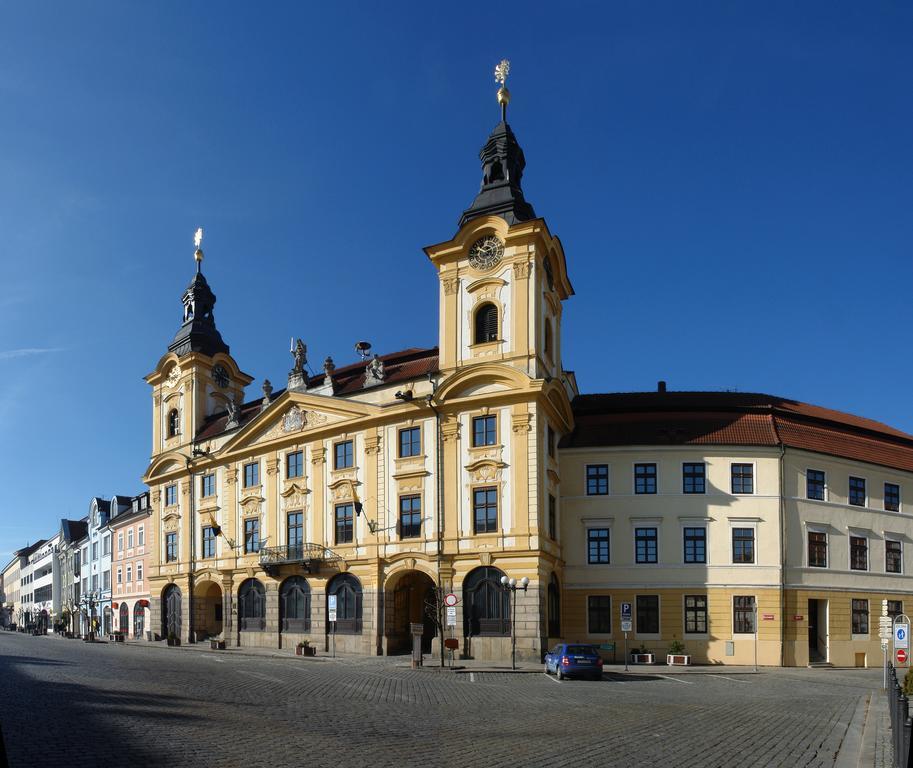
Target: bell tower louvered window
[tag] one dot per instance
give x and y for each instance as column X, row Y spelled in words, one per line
column 486, row 324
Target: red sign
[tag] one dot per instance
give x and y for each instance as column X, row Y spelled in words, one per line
column 798, row 617
column 901, row 656
column 767, row 617
column 452, row 643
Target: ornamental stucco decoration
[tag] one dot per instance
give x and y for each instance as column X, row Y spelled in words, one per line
column 295, row 419
column 173, row 375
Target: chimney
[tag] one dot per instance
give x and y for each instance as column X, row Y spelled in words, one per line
column 660, row 386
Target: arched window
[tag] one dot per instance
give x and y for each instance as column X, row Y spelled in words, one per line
column 295, row 605
column 173, row 422
column 124, row 621
column 486, row 604
column 554, row 607
column 347, row 590
column 139, row 619
column 486, row 323
column 252, row 606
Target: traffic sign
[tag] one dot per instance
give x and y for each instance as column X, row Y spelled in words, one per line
column 450, row 599
column 901, row 656
column 451, row 616
column 627, row 625
column 331, row 608
column 901, row 636
column 625, row 611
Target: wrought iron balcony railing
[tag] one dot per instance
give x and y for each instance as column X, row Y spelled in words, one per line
column 308, row 556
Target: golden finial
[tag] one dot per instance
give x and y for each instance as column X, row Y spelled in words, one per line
column 198, row 241
column 501, row 72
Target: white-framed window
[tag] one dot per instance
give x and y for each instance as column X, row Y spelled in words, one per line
column 859, row 551
column 860, row 617
column 816, row 551
column 130, row 538
column 744, row 544
column 597, row 479
column 646, row 544
column 893, row 555
column 646, row 478
column 696, row 615
column 816, row 484
column 129, row 574
column 892, row 497
column 141, row 536
column 744, row 614
column 857, row 495
column 694, row 543
column 139, row 571
column 119, row 575
column 599, row 544
column 120, row 541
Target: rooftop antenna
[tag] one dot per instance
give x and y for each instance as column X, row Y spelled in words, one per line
column 363, row 349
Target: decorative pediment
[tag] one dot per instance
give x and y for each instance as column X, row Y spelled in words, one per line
column 485, row 470
column 210, row 509
column 295, row 496
column 251, row 505
column 343, row 488
column 411, row 479
column 171, row 521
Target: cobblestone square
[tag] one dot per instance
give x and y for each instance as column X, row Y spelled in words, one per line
column 68, row 703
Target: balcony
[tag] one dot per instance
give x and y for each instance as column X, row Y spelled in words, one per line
column 309, row 556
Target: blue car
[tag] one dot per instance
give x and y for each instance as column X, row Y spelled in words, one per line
column 574, row 660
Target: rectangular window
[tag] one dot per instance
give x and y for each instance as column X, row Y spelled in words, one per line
column 139, row 571
column 485, row 510
column 645, row 478
column 893, row 556
column 599, row 614
column 209, row 541
column 171, row 495
column 294, row 464
column 208, row 485
column 892, row 497
column 344, row 523
column 129, row 538
column 171, row 547
column 343, row 455
column 857, row 491
column 95, row 550
column 251, row 536
column 695, row 542
column 120, row 576
column 106, row 546
column 814, row 484
column 294, row 532
column 106, row 580
column 410, row 517
column 597, row 479
column 597, row 541
column 743, row 615
column 859, row 553
column 410, row 442
column 895, row 608
column 648, row 614
column 120, row 541
column 252, row 474
column 94, row 582
column 695, row 614
column 694, row 479
column 860, row 617
column 484, row 430
column 743, row 545
column 817, row 549
column 141, row 536
column 552, row 518
column 129, row 574
column 645, row 545
column 550, row 437
column 743, row 478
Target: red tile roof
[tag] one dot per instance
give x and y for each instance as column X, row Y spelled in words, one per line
column 407, row 365
column 734, row 418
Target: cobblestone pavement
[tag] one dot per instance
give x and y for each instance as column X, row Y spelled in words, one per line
column 68, row 703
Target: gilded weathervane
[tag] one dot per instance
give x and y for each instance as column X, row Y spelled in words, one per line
column 197, row 242
column 501, row 72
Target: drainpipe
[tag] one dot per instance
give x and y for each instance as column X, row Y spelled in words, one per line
column 781, row 465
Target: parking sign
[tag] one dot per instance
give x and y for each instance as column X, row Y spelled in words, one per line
column 625, row 611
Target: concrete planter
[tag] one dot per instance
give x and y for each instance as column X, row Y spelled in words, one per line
column 217, row 645
column 305, row 650
column 643, row 658
column 678, row 659
column 174, row 641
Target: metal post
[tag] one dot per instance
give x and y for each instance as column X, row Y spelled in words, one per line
column 626, row 651
column 513, row 629
column 755, row 634
column 334, row 639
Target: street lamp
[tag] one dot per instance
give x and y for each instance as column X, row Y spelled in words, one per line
column 513, row 585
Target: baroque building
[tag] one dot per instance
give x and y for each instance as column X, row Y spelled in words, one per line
column 337, row 509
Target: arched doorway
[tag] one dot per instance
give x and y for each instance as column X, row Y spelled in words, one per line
column 171, row 611
column 295, row 606
column 124, row 619
column 409, row 599
column 139, row 619
column 207, row 608
column 251, row 606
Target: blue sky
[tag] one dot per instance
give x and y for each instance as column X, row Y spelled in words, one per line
column 732, row 183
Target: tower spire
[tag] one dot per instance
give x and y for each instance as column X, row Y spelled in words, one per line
column 502, row 168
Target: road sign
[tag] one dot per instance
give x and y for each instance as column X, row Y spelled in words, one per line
column 627, row 626
column 331, row 608
column 901, row 656
column 451, row 616
column 767, row 617
column 625, row 611
column 450, row 599
column 901, row 636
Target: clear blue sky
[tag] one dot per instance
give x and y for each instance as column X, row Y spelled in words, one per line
column 732, row 182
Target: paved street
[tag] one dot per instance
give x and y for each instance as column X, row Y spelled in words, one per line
column 73, row 704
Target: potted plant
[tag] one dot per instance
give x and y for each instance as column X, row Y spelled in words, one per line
column 676, row 655
column 216, row 644
column 304, row 648
column 118, row 636
column 173, row 639
column 641, row 656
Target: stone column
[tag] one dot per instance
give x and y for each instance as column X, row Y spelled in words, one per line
column 272, row 613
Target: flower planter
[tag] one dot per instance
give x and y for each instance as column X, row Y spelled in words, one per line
column 678, row 659
column 217, row 645
column 173, row 641
column 305, row 650
column 642, row 658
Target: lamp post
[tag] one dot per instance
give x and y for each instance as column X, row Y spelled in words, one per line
column 513, row 585
column 88, row 607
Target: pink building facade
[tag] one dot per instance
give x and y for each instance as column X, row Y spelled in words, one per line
column 131, row 535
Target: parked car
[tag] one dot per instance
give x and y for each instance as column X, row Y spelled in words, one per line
column 574, row 660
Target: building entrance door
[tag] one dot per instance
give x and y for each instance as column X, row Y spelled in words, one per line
column 171, row 612
column 817, row 630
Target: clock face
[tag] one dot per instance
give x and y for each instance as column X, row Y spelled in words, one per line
column 220, row 376
column 486, row 252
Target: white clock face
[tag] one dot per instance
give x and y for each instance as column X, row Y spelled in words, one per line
column 486, row 252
